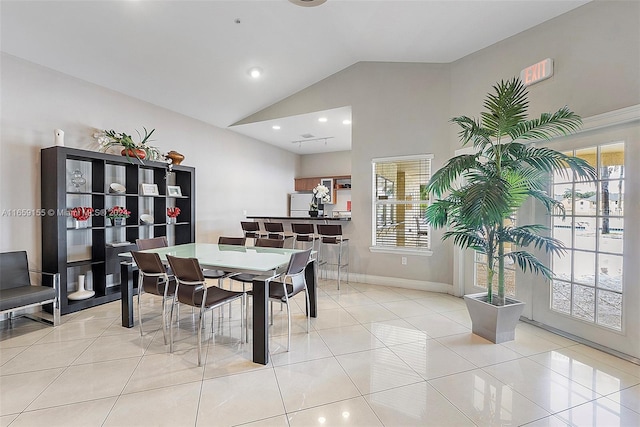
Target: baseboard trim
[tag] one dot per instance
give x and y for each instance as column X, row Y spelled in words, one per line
column 395, row 282
column 580, row 340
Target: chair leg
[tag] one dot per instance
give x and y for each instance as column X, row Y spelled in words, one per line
column 173, row 304
column 245, row 302
column 164, row 320
column 306, row 293
column 140, row 309
column 242, row 315
column 200, row 334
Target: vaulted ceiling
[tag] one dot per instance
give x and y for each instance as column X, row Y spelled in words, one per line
column 194, row 57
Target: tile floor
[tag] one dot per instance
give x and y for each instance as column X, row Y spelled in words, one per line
column 375, row 356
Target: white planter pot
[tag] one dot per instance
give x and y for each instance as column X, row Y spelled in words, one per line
column 494, row 323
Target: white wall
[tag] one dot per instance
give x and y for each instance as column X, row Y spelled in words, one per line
column 400, row 109
column 325, row 164
column 232, row 174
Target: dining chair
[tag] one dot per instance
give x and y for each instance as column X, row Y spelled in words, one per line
column 252, row 230
column 246, row 278
column 153, row 279
column 282, row 291
column 331, row 236
column 219, row 274
column 152, row 243
column 191, row 290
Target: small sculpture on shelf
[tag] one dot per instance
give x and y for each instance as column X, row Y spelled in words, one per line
column 118, row 215
column 81, row 214
column 173, row 213
column 140, row 150
column 78, row 180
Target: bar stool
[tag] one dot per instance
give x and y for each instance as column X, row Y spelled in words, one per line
column 304, row 234
column 331, row 236
column 275, row 230
column 252, row 230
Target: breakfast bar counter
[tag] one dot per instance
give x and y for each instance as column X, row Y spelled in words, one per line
column 296, row 218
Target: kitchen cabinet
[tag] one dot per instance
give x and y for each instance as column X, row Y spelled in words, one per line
column 80, row 178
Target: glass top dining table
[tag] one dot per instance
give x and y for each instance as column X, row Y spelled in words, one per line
column 266, row 263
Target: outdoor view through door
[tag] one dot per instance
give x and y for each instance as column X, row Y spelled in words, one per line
column 588, row 278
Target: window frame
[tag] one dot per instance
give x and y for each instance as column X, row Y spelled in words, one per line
column 420, row 251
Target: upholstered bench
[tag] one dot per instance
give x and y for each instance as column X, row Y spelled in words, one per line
column 17, row 292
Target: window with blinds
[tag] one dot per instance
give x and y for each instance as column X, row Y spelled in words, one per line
column 400, row 200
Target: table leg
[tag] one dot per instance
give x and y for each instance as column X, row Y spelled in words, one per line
column 126, row 293
column 311, row 277
column 260, row 320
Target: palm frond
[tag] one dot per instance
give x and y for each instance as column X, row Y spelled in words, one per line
column 472, row 131
column 443, row 179
column 466, row 238
column 525, row 261
column 527, row 235
column 549, row 125
column 506, row 108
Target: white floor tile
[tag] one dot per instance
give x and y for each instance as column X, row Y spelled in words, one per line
column 82, row 383
column 600, row 412
column 240, row 398
column 46, row 356
column 377, row 370
column 369, row 359
column 350, row 412
column 486, row 400
column 92, row 413
column 349, row 339
column 431, row 359
column 317, row 382
column 171, row 406
column 629, row 397
column 19, row 390
column 416, row 405
column 477, row 350
column 395, row 331
column 550, row 390
column 591, row 373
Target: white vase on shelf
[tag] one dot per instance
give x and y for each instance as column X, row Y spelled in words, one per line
column 81, row 293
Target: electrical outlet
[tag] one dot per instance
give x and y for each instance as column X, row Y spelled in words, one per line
column 244, row 213
column 404, row 260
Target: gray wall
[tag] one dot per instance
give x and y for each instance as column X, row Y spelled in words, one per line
column 230, row 168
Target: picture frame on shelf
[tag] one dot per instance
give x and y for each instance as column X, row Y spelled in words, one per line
column 149, row 190
column 174, row 191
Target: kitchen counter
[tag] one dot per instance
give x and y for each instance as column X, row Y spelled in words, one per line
column 303, row 218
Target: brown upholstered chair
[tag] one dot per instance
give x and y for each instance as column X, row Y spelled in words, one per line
column 152, row 243
column 191, row 290
column 283, row 291
column 153, row 279
column 331, row 236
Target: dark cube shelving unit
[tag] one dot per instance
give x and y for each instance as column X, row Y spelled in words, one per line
column 67, row 250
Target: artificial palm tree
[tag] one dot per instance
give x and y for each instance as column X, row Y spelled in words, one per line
column 499, row 177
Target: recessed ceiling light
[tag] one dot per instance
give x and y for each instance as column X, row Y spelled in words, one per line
column 275, row 127
column 308, row 3
column 255, row 72
column 346, row 122
column 322, row 119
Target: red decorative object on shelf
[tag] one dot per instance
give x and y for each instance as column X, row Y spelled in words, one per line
column 81, row 213
column 173, row 213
